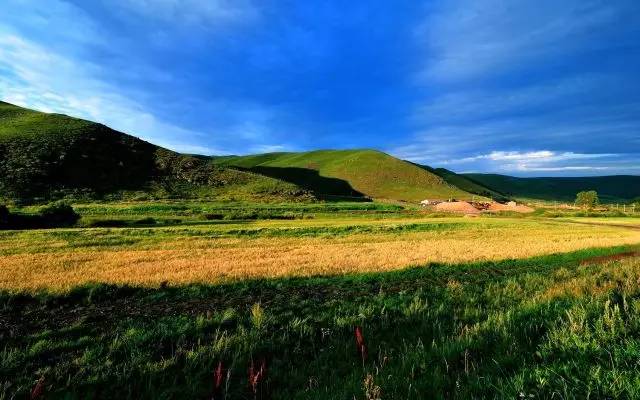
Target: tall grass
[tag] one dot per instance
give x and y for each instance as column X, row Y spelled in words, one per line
column 555, row 326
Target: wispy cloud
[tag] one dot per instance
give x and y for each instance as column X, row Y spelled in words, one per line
column 37, row 74
column 530, row 156
column 541, row 160
column 468, row 39
column 271, row 148
column 544, row 161
column 44, row 20
column 209, row 14
column 40, row 79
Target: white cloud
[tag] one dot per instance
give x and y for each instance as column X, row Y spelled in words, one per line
column 276, row 148
column 510, row 156
column 541, row 156
column 583, row 115
column 516, row 155
column 541, row 161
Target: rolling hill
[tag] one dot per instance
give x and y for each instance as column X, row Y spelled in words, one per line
column 45, row 156
column 609, row 188
column 353, row 173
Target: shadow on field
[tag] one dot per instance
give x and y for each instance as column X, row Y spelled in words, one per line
column 440, row 331
column 128, row 301
column 323, row 187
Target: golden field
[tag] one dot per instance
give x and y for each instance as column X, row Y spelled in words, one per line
column 58, row 260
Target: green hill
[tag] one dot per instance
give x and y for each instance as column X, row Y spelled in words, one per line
column 350, row 173
column 609, row 188
column 45, row 156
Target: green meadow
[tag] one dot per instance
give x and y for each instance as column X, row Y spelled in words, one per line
column 559, row 324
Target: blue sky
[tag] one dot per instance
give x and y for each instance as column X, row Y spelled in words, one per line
column 529, row 88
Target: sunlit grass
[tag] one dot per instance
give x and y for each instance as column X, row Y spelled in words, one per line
column 495, row 306
column 58, row 260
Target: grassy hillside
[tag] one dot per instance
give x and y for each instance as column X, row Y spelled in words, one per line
column 42, row 152
column 350, row 173
column 609, row 188
column 45, row 156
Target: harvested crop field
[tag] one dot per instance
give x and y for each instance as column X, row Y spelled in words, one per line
column 61, row 260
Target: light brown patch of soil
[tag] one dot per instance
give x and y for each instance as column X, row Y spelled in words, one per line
column 457, row 207
column 495, row 207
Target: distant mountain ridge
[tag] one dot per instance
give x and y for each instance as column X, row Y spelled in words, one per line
column 466, row 183
column 609, row 188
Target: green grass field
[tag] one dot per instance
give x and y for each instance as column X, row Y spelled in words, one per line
column 447, row 306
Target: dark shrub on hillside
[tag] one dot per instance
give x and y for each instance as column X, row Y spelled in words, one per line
column 120, row 223
column 107, row 223
column 52, row 216
column 255, row 215
column 59, row 214
column 4, row 215
column 211, row 217
column 285, row 216
column 145, row 221
column 241, row 215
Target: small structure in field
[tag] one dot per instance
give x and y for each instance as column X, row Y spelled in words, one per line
column 427, row 203
column 512, row 204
